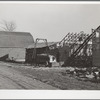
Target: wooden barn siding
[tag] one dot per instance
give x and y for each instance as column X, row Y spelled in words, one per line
column 96, row 51
column 15, row 39
column 63, row 53
column 29, row 53
column 96, row 56
column 16, row 53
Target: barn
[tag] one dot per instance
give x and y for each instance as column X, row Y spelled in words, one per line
column 13, row 44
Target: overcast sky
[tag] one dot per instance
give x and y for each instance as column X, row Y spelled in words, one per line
column 52, row 21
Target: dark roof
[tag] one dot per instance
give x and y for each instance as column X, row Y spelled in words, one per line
column 41, row 45
column 15, row 39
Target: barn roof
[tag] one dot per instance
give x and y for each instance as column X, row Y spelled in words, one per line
column 15, row 39
column 41, row 45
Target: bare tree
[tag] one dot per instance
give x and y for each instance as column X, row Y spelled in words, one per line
column 7, row 25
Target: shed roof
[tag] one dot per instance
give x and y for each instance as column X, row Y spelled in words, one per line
column 15, row 39
column 41, row 45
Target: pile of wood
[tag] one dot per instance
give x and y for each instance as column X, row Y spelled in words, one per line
column 87, row 74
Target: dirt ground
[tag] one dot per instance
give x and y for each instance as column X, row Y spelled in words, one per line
column 56, row 77
column 10, row 78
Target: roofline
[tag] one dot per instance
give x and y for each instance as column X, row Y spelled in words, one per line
column 28, row 33
column 15, row 31
column 13, row 47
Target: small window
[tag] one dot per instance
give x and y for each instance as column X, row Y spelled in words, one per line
column 97, row 34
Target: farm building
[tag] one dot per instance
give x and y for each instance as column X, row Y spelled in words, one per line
column 13, row 44
column 96, row 49
column 60, row 53
column 41, row 48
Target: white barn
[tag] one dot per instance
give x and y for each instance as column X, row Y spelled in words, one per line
column 14, row 44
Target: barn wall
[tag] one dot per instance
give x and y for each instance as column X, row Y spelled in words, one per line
column 96, row 51
column 17, row 54
column 29, row 54
column 64, row 53
column 4, row 51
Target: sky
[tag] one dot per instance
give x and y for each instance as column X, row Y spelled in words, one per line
column 51, row 21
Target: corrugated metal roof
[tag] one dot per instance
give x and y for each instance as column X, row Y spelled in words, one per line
column 41, row 45
column 15, row 39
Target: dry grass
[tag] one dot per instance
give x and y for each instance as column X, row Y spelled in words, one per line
column 57, row 77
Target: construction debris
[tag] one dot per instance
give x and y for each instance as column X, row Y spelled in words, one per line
column 84, row 74
column 82, row 53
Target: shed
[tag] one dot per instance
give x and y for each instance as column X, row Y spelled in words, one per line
column 60, row 53
column 40, row 49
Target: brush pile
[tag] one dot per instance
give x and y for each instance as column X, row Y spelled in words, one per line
column 86, row 74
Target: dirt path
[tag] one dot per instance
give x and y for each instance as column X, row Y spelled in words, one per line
column 13, row 79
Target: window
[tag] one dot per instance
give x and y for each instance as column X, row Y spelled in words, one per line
column 97, row 34
column 97, row 37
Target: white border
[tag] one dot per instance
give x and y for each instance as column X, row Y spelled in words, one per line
column 49, row 94
column 51, row 2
